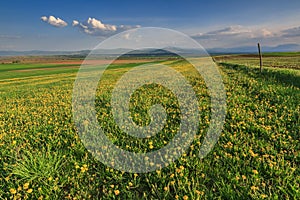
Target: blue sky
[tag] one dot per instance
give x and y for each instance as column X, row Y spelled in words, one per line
column 212, row 23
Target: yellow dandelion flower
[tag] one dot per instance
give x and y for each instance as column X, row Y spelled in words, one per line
column 166, row 188
column 117, row 192
column 254, row 188
column 29, row 191
column 185, row 197
column 12, row 190
column 263, row 196
column 25, row 186
column 255, row 171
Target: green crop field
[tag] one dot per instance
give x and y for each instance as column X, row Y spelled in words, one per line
column 257, row 155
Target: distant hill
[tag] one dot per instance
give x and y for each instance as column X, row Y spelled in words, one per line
column 252, row 49
column 42, row 53
column 168, row 51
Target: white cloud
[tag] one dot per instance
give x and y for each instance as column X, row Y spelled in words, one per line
column 44, row 18
column 57, row 22
column 93, row 26
column 238, row 36
column 224, row 32
column 75, row 23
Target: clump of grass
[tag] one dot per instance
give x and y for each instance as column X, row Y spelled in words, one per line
column 42, row 170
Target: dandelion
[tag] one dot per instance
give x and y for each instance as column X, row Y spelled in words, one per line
column 254, row 188
column 185, row 197
column 25, row 186
column 29, row 191
column 117, row 192
column 12, row 190
column 255, row 171
column 252, row 153
column 84, row 168
column 263, row 196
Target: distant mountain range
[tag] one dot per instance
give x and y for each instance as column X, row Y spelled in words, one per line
column 166, row 51
column 252, row 49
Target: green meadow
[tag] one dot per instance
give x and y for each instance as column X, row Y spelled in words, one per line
column 256, row 157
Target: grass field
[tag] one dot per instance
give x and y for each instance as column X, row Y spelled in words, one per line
column 256, row 157
column 278, row 60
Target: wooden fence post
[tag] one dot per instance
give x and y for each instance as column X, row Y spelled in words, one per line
column 260, row 58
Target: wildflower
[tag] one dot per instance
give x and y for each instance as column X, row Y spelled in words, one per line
column 185, row 197
column 263, row 196
column 25, row 186
column 12, row 190
column 254, row 188
column 252, row 153
column 255, row 171
column 117, row 192
column 84, row 168
column 29, row 191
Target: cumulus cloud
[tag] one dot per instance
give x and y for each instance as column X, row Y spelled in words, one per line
column 57, row 22
column 75, row 23
column 93, row 26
